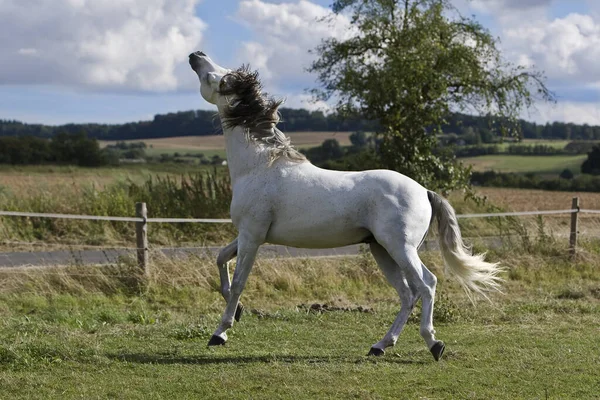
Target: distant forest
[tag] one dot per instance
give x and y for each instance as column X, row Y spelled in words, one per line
column 201, row 123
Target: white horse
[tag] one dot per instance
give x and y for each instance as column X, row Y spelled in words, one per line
column 281, row 198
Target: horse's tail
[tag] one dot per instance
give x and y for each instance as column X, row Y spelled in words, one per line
column 472, row 271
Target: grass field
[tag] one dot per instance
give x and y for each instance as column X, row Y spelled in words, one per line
column 71, row 333
column 27, row 180
column 557, row 144
column 112, row 191
column 526, row 164
column 215, row 144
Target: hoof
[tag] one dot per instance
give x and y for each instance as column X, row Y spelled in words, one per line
column 437, row 350
column 216, row 341
column 375, row 352
column 238, row 312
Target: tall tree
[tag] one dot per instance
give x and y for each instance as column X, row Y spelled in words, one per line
column 408, row 65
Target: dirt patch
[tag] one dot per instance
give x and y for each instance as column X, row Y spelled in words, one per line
column 320, row 308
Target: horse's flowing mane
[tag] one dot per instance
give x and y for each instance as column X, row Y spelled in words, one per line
column 256, row 112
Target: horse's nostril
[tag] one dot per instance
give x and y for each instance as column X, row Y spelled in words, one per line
column 197, row 54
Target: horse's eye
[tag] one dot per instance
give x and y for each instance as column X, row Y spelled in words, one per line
column 222, row 83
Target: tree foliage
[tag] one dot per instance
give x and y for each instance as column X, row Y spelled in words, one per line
column 592, row 164
column 469, row 127
column 408, row 65
column 63, row 148
column 186, row 123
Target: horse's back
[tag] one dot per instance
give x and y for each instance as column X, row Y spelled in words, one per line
column 313, row 207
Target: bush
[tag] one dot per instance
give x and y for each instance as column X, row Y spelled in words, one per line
column 566, row 174
column 474, row 151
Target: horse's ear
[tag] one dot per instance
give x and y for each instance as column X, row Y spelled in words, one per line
column 273, row 112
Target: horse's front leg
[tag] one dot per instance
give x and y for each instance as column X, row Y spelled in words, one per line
column 246, row 253
column 226, row 254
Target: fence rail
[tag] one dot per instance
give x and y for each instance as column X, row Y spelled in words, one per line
column 228, row 221
column 141, row 222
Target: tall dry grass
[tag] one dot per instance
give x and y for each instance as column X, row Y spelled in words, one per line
column 540, row 261
column 201, row 195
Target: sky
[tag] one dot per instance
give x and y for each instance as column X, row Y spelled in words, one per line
column 113, row 61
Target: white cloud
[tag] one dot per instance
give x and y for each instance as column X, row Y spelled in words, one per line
column 567, row 49
column 294, row 100
column 258, row 55
column 286, row 32
column 27, row 52
column 567, row 111
column 509, row 5
column 107, row 45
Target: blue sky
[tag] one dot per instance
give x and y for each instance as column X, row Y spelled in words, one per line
column 113, row 61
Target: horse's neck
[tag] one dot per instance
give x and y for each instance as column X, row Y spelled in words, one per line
column 243, row 156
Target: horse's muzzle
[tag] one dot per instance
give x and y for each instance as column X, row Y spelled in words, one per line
column 195, row 58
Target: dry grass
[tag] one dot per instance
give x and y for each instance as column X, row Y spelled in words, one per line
column 279, row 282
column 60, row 180
column 217, row 142
column 63, row 180
column 541, row 261
column 58, row 187
column 531, row 200
column 24, row 182
column 538, row 200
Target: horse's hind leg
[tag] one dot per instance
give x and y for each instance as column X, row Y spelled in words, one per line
column 424, row 282
column 396, row 278
column 427, row 332
column 227, row 254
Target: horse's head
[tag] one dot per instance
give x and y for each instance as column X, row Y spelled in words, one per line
column 242, row 103
column 211, row 77
column 238, row 94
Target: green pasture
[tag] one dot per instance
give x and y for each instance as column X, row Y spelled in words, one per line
column 557, row 144
column 295, row 355
column 526, row 164
column 92, row 333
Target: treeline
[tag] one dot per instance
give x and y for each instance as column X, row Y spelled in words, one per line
column 572, row 148
column 580, row 183
column 469, row 129
column 476, row 130
column 186, row 123
column 63, row 148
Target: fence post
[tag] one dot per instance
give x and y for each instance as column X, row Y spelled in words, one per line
column 141, row 238
column 574, row 223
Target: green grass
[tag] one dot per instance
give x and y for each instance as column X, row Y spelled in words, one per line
column 557, row 144
column 71, row 336
column 301, row 356
column 526, row 164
